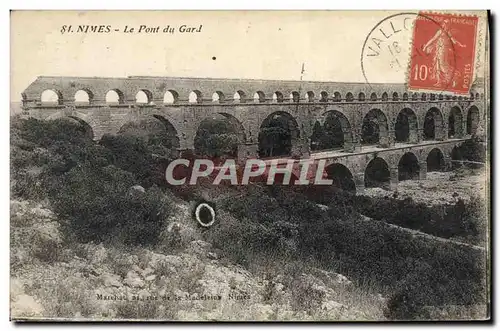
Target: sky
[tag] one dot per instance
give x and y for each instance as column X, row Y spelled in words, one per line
column 244, row 44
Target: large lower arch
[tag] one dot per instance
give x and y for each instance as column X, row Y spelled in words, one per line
column 157, row 132
column 433, row 124
column 408, row 167
column 377, row 173
column 333, row 134
column 455, row 126
column 435, row 160
column 406, row 127
column 278, row 133
column 82, row 124
column 374, row 129
column 472, row 120
column 219, row 136
column 341, row 176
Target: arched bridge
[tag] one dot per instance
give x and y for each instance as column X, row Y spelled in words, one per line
column 354, row 126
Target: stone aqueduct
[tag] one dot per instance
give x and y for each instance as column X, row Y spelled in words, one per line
column 181, row 104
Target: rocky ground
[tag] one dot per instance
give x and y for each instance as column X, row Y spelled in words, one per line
column 439, row 187
column 52, row 278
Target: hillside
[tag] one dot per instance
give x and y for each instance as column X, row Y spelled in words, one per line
column 96, row 234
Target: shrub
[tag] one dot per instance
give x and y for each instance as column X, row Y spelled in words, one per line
column 44, row 133
column 462, row 219
column 99, row 206
column 89, row 184
column 472, row 150
column 425, row 272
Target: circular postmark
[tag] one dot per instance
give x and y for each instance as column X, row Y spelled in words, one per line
column 388, row 50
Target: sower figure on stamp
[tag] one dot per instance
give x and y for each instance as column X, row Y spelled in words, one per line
column 441, row 47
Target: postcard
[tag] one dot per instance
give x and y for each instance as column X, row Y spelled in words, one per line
column 250, row 166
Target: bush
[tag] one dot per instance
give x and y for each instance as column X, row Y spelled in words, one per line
column 44, row 133
column 471, row 150
column 88, row 184
column 99, row 206
column 462, row 219
column 425, row 273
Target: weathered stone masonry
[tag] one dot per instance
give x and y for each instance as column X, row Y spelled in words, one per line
column 186, row 102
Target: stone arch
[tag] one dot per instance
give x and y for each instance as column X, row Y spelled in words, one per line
column 373, row 96
column 195, row 96
column 375, row 128
column 349, row 97
column 278, row 133
column 435, row 160
column 218, row 97
column 219, row 136
column 477, row 96
column 433, row 96
column 337, row 97
column 295, row 97
column 341, row 176
column 87, row 125
column 423, row 97
column 170, row 97
column 455, row 123
column 377, row 173
column 433, row 124
column 259, row 96
column 144, row 96
column 406, row 126
column 361, row 96
column 51, row 96
column 395, row 96
column 158, row 132
column 334, row 131
column 323, row 96
column 440, row 96
column 414, row 96
column 84, row 96
column 239, row 96
column 385, row 97
column 310, row 96
column 277, row 97
column 237, row 125
column 408, row 167
column 472, row 96
column 115, row 96
column 405, row 96
column 472, row 120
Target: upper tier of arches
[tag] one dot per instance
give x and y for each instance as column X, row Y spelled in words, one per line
column 149, row 91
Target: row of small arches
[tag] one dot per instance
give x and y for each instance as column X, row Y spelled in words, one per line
column 146, row 97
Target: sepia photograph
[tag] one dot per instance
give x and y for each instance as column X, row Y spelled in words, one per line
column 250, row 166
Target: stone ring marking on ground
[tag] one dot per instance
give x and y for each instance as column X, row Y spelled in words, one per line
column 201, row 216
column 388, row 48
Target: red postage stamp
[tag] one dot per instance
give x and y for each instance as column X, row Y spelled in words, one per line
column 443, row 53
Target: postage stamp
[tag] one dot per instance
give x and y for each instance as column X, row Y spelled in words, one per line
column 443, row 53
